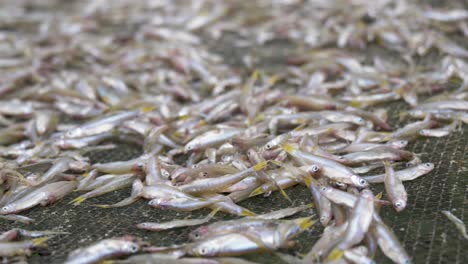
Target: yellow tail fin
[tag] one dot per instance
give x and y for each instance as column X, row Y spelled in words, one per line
column 39, row 241
column 256, row 192
column 213, row 212
column 78, row 200
column 288, row 148
column 260, row 166
column 246, row 212
column 336, row 254
column 305, row 222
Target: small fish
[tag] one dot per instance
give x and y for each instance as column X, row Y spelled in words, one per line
column 10, row 249
column 43, row 195
column 395, row 189
column 103, row 250
column 359, row 220
column 175, row 223
column 407, row 174
column 458, row 223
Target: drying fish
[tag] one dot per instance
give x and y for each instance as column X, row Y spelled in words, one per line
column 458, row 223
column 407, row 174
column 175, row 223
column 394, row 188
column 8, row 249
column 105, row 249
column 44, row 195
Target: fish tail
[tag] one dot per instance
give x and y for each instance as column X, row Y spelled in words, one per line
column 277, row 163
column 213, row 212
column 288, row 148
column 284, row 194
column 102, row 205
column 336, row 254
column 308, row 180
column 78, row 200
column 147, row 108
column 379, row 195
column 357, row 104
column 256, row 192
column 247, row 212
column 260, row 166
column 305, row 222
column 39, row 241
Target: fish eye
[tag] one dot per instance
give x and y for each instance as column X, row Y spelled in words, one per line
column 203, row 251
column 341, row 157
column 324, row 188
column 427, row 164
column 268, row 146
column 189, row 147
column 204, row 174
column 196, row 235
column 360, row 120
column 5, row 208
column 398, row 204
column 362, row 181
column 315, row 168
column 133, row 248
column 403, row 142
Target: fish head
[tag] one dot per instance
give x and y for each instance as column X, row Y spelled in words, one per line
column 206, row 249
column 341, row 185
column 191, row 147
column 313, row 169
column 398, row 144
column 130, row 247
column 358, row 181
column 8, row 209
column 158, row 203
column 199, row 232
column 359, row 121
column 399, row 205
column 427, row 167
column 367, row 194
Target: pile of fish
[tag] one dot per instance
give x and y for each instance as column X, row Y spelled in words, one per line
column 213, row 134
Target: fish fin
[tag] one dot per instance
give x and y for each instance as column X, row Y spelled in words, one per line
column 102, row 205
column 260, row 166
column 357, row 104
column 400, row 91
column 213, row 212
column 86, row 174
column 39, row 241
column 310, row 205
column 305, row 222
column 277, row 163
column 300, row 127
column 147, row 108
column 379, row 195
column 273, row 79
column 336, row 254
column 78, row 200
column 284, row 194
column 256, row 192
column 308, row 180
column 288, row 148
column 247, row 212
column 386, row 163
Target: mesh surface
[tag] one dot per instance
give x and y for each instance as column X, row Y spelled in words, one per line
column 426, row 234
